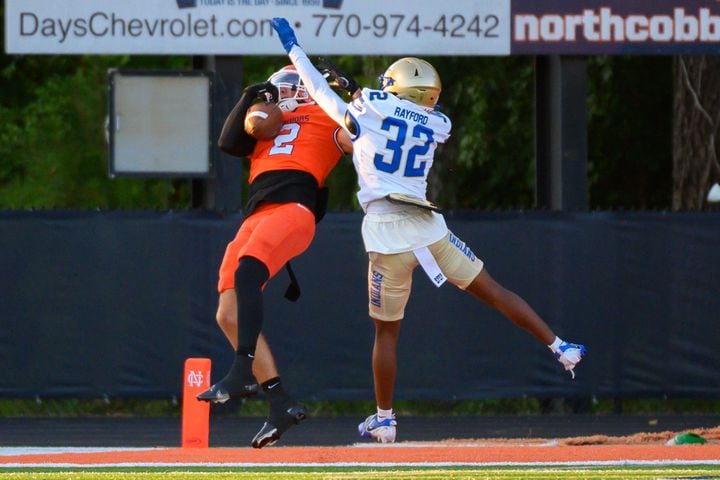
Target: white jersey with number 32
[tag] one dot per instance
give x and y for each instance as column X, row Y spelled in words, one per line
column 395, row 144
column 394, row 141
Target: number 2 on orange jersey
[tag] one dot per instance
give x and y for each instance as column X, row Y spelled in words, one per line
column 282, row 144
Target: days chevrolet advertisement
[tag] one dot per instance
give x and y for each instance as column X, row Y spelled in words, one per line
column 364, row 27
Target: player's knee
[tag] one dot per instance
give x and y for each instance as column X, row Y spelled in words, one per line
column 387, row 330
column 251, row 274
column 225, row 319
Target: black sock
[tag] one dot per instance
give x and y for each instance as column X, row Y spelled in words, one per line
column 280, row 402
column 250, row 276
column 274, row 391
column 277, row 397
column 240, row 374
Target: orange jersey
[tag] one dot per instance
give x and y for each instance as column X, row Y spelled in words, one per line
column 306, row 142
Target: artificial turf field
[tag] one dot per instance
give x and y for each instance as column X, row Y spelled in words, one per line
column 654, row 471
column 404, row 460
column 438, row 460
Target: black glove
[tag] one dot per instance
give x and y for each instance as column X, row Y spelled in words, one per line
column 336, row 78
column 265, row 90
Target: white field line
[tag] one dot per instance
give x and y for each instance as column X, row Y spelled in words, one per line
column 10, row 451
column 621, row 463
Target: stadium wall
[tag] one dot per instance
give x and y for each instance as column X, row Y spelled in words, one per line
column 112, row 303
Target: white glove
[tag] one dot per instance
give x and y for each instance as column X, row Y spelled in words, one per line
column 569, row 354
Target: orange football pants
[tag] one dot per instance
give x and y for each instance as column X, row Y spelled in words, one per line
column 274, row 233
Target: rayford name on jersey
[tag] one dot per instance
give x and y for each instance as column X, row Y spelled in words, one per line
column 410, row 115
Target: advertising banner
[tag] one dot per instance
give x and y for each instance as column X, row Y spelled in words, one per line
column 365, row 27
column 615, row 27
column 242, row 27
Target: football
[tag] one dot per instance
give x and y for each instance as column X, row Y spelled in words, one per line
column 263, row 120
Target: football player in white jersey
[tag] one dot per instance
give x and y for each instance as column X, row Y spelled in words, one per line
column 395, row 132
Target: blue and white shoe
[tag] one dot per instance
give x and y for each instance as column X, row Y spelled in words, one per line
column 569, row 355
column 383, row 431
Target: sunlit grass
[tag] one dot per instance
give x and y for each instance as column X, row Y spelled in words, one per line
column 414, row 473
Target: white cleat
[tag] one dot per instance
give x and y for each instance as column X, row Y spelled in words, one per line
column 383, row 431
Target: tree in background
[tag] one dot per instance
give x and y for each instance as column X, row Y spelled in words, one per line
column 53, row 152
column 695, row 127
column 630, row 132
column 489, row 161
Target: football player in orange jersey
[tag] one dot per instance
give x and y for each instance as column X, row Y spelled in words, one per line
column 286, row 198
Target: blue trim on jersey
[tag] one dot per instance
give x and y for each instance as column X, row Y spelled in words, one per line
column 357, row 126
column 441, row 115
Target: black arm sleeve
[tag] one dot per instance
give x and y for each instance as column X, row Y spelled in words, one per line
column 234, row 140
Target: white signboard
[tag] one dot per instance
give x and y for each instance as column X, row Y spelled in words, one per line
column 159, row 124
column 242, row 27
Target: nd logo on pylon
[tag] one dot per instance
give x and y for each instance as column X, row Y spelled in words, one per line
column 195, row 378
column 195, row 413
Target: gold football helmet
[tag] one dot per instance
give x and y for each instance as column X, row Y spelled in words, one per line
column 413, row 79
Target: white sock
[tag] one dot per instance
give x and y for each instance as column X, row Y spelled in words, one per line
column 555, row 345
column 383, row 414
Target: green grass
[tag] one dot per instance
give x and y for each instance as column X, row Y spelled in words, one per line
column 414, row 473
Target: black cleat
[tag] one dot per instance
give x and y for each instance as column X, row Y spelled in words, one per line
column 273, row 428
column 219, row 394
column 239, row 382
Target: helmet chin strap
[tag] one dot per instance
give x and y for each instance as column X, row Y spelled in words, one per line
column 291, row 104
column 288, row 104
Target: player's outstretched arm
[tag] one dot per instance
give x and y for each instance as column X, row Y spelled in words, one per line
column 314, row 81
